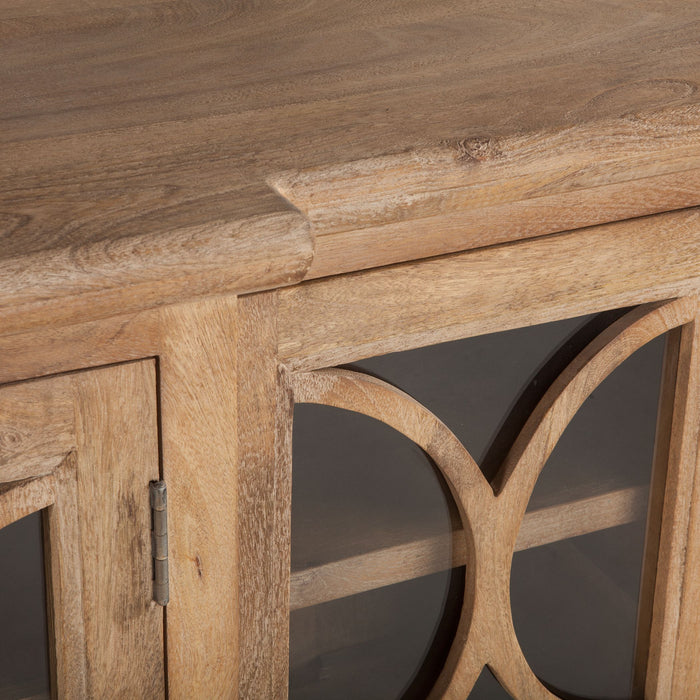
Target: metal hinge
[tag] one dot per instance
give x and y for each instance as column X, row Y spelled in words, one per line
column 159, row 541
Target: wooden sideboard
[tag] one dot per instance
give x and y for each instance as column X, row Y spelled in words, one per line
column 209, row 210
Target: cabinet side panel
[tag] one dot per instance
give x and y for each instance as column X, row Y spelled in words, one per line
column 117, row 456
column 198, row 422
column 264, row 516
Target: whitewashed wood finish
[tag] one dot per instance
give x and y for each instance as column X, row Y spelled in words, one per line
column 492, row 518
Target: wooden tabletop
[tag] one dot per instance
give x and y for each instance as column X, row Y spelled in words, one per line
column 151, row 151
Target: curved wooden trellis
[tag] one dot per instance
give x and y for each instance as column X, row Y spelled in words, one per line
column 491, row 516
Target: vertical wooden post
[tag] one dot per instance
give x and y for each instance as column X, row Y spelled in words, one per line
column 673, row 640
column 264, row 504
column 198, row 380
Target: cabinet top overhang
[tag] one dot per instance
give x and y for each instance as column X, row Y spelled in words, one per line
column 151, row 151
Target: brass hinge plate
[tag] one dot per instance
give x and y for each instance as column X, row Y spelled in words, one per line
column 159, row 541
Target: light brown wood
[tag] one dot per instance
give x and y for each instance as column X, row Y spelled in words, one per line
column 264, row 504
column 198, row 375
column 37, row 422
column 37, row 428
column 492, row 519
column 339, row 320
column 52, row 349
column 156, row 153
column 662, row 443
column 403, row 562
column 116, row 457
column 676, row 539
column 102, row 429
column 138, row 138
column 484, row 191
column 686, row 674
column 142, row 271
column 581, row 517
column 64, row 577
column 541, row 432
column 22, row 498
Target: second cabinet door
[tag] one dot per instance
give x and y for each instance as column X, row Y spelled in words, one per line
column 77, row 453
column 547, row 436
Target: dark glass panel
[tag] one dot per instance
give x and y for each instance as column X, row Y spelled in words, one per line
column 387, row 643
column 488, row 688
column 483, row 388
column 24, row 664
column 575, row 601
column 359, row 486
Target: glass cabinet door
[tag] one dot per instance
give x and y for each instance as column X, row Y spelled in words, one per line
column 482, row 505
column 77, row 618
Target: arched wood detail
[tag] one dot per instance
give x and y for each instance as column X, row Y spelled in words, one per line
column 491, row 516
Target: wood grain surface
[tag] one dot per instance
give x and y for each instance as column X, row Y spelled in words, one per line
column 662, row 446
column 342, row 319
column 37, row 428
column 90, row 440
column 198, row 401
column 21, row 498
column 149, row 150
column 264, row 504
column 674, row 635
column 116, row 457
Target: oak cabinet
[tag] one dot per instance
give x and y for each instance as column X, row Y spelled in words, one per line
column 267, row 256
column 82, row 447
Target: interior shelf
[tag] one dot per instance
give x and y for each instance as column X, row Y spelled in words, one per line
column 391, row 561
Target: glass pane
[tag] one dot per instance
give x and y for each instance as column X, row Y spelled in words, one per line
column 575, row 601
column 359, row 487
column 488, row 688
column 24, row 664
column 484, row 388
column 387, row 643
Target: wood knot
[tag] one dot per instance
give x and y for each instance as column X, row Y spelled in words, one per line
column 477, row 149
column 11, row 441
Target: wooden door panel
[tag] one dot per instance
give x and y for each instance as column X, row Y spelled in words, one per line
column 86, row 446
